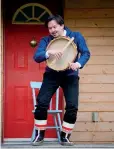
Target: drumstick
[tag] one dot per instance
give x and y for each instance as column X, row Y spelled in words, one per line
column 66, row 46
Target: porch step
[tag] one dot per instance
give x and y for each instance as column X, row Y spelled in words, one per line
column 53, row 145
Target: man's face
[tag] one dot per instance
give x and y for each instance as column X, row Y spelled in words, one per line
column 55, row 29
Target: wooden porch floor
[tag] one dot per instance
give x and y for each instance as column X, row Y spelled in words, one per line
column 54, row 145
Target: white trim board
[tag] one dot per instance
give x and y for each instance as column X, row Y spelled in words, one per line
column 25, row 140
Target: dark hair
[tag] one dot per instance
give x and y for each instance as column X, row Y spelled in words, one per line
column 57, row 18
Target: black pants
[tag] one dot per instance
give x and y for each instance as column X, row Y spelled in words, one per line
column 70, row 86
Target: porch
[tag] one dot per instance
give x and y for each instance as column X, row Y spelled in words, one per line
column 53, row 145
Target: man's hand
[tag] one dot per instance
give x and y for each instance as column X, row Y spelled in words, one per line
column 55, row 54
column 74, row 66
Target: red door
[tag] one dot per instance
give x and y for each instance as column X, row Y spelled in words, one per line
column 20, row 69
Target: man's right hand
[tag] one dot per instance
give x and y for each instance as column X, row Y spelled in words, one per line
column 55, row 54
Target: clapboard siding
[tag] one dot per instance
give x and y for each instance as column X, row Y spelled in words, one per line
column 95, row 20
column 88, row 13
column 109, row 143
column 102, row 50
column 89, row 4
column 86, row 117
column 100, row 41
column 97, row 79
column 95, row 136
column 93, row 97
column 108, row 22
column 94, row 32
column 107, row 60
column 97, row 69
column 89, row 126
column 98, row 106
column 97, row 88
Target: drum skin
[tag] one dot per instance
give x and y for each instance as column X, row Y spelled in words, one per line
column 69, row 54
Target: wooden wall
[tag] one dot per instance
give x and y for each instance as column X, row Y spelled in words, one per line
column 95, row 20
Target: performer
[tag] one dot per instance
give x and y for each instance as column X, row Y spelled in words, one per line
column 52, row 79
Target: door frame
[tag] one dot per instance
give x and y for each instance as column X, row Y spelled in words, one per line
column 2, row 47
column 2, row 90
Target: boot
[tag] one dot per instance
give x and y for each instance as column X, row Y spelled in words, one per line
column 65, row 139
column 39, row 137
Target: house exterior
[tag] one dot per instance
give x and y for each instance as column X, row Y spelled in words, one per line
column 19, row 26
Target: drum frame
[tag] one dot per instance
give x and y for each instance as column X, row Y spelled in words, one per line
column 58, row 38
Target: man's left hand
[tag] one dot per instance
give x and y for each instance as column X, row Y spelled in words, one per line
column 74, row 66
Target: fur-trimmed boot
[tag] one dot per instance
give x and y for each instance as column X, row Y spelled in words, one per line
column 65, row 139
column 39, row 137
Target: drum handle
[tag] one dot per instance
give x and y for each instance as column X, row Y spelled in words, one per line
column 66, row 46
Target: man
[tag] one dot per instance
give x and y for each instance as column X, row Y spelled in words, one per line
column 67, row 79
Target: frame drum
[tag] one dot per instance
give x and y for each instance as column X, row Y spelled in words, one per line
column 69, row 50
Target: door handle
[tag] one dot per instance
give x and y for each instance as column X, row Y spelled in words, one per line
column 33, row 42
